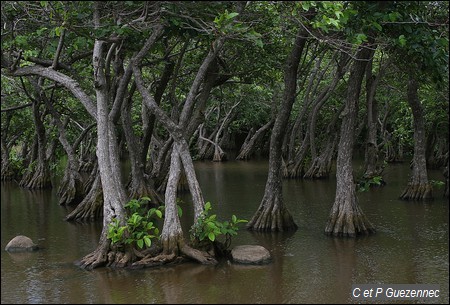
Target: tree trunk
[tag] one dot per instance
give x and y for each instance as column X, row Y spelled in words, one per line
column 249, row 147
column 418, row 187
column 114, row 196
column 70, row 190
column 272, row 215
column 372, row 166
column 140, row 185
column 38, row 176
column 7, row 172
column 446, row 178
column 91, row 207
column 346, row 217
column 321, row 166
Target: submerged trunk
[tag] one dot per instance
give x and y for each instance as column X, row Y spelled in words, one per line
column 321, row 166
column 418, row 187
column 372, row 167
column 114, row 195
column 446, row 174
column 70, row 190
column 38, row 176
column 249, row 147
column 346, row 217
column 272, row 215
column 91, row 207
column 7, row 172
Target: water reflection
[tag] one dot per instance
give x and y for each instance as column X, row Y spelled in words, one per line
column 411, row 246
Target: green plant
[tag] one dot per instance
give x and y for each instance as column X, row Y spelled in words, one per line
column 139, row 229
column 365, row 184
column 437, row 183
column 209, row 228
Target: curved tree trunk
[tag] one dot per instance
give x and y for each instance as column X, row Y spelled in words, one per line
column 70, row 190
column 346, row 217
column 114, row 195
column 249, row 146
column 272, row 215
column 418, row 187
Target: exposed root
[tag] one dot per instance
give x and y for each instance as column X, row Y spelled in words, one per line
column 7, row 172
column 163, row 258
column 319, row 169
column 197, row 255
column 92, row 205
column 271, row 216
column 294, row 171
column 38, row 179
column 70, row 190
column 347, row 219
column 98, row 258
column 417, row 192
column 144, row 189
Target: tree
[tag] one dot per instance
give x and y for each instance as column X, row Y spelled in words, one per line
column 419, row 186
column 346, row 217
column 272, row 215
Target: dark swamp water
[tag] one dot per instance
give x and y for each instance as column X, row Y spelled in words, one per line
column 410, row 247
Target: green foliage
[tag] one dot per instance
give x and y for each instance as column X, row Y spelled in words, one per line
column 209, row 228
column 16, row 162
column 437, row 183
column 139, row 229
column 365, row 184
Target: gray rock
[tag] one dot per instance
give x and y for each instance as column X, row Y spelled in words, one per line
column 250, row 254
column 21, row 243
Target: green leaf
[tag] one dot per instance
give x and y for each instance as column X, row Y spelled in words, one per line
column 402, row 40
column 234, row 218
column 158, row 213
column 305, row 5
column 360, row 38
column 211, row 236
column 140, row 243
column 148, row 241
column 377, row 26
column 392, row 17
column 58, row 31
column 231, row 15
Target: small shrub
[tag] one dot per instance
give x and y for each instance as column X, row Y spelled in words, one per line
column 139, row 229
column 208, row 228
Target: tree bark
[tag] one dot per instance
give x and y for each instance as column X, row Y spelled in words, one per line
column 446, row 175
column 7, row 171
column 272, row 215
column 91, row 207
column 418, row 187
column 70, row 190
column 249, row 146
column 139, row 185
column 346, row 217
column 38, row 177
column 372, row 166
